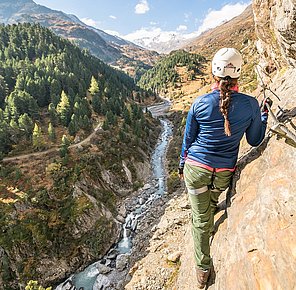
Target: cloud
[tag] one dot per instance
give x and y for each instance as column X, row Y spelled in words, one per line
column 142, row 7
column 91, row 22
column 182, row 28
column 147, row 36
column 217, row 17
column 112, row 17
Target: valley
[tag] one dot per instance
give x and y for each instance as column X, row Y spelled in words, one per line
column 91, row 127
column 141, row 212
column 59, row 193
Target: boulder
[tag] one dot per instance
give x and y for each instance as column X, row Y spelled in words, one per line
column 122, row 262
column 147, row 186
column 102, row 282
column 103, row 269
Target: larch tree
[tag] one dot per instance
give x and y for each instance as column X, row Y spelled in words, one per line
column 64, row 109
column 37, row 137
column 94, row 86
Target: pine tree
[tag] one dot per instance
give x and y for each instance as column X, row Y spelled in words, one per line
column 3, row 90
column 86, row 123
column 40, row 94
column 105, row 125
column 73, row 125
column 122, row 136
column 5, row 141
column 65, row 141
column 20, row 83
column 127, row 116
column 96, row 99
column 55, row 88
column 55, row 99
column 26, row 124
column 64, row 150
column 51, row 133
column 85, row 107
column 77, row 109
column 137, row 129
column 96, row 104
column 53, row 114
column 110, row 118
column 20, row 102
column 81, row 90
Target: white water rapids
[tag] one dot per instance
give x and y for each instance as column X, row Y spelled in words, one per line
column 90, row 278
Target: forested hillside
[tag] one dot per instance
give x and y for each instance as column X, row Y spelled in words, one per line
column 167, row 72
column 44, row 81
column 110, row 49
column 59, row 210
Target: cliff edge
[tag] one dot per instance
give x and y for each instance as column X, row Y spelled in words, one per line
column 255, row 243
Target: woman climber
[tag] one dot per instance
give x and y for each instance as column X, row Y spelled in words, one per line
column 215, row 125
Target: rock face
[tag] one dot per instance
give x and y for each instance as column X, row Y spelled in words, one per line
column 255, row 243
column 275, row 27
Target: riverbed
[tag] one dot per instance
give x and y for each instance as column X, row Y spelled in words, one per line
column 111, row 272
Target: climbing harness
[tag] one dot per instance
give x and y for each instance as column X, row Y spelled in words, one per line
column 211, row 186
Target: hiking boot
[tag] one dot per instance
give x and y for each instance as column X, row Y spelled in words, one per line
column 202, row 277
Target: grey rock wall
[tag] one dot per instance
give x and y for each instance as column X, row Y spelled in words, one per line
column 275, row 23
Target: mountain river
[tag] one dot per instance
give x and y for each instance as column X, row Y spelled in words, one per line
column 111, row 272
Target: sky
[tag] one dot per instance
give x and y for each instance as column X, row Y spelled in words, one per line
column 131, row 19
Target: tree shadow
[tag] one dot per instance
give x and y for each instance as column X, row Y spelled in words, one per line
column 246, row 159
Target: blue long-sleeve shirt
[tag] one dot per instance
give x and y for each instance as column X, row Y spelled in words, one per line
column 204, row 138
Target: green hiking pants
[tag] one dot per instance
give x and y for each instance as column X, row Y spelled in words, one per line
column 204, row 189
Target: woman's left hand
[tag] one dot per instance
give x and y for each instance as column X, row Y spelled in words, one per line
column 180, row 172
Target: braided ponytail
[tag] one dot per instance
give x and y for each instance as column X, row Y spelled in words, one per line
column 225, row 84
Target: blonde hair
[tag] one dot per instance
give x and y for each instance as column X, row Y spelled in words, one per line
column 225, row 84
